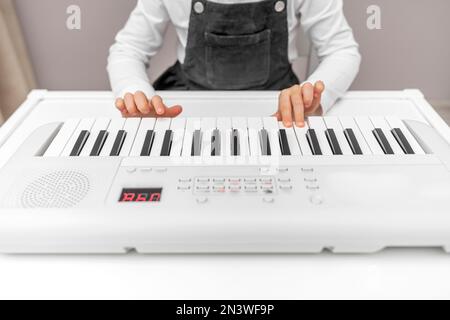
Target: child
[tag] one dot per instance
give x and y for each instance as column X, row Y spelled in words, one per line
column 235, row 45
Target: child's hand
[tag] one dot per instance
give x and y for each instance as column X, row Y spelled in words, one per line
column 299, row 101
column 137, row 105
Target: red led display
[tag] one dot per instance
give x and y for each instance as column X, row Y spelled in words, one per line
column 141, row 195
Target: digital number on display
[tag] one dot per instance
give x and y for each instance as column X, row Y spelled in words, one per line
column 141, row 195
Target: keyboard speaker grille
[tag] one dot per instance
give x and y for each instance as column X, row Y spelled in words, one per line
column 59, row 189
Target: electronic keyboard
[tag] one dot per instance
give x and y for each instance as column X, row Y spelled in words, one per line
column 226, row 184
column 230, row 137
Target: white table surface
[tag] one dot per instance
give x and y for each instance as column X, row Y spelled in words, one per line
column 393, row 273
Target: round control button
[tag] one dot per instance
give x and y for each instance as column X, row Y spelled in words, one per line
column 268, row 200
column 202, row 200
column 279, row 6
column 199, row 7
column 316, row 200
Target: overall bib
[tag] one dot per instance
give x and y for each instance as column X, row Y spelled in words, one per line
column 240, row 46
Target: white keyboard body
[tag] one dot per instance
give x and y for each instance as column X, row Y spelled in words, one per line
column 52, row 202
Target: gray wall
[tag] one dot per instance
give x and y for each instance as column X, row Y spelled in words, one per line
column 411, row 51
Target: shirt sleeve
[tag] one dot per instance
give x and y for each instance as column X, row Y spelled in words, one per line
column 134, row 46
column 325, row 24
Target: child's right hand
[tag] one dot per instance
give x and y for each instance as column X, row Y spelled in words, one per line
column 138, row 105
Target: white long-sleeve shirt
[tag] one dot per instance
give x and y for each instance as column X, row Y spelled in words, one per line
column 322, row 20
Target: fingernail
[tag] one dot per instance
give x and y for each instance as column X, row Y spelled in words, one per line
column 300, row 124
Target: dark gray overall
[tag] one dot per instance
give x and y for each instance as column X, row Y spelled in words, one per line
column 240, row 46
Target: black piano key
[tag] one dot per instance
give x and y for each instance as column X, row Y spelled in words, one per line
column 215, row 143
column 332, row 140
column 118, row 143
column 311, row 136
column 402, row 141
column 235, row 146
column 353, row 142
column 284, row 144
column 167, row 144
column 265, row 143
column 79, row 144
column 99, row 143
column 148, row 143
column 196, row 149
column 382, row 140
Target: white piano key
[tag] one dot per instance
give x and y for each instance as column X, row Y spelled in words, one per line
column 99, row 125
column 255, row 125
column 207, row 127
column 114, row 126
column 146, row 125
column 335, row 124
column 271, row 125
column 178, row 126
column 302, row 140
column 366, row 127
column 224, row 125
column 131, row 127
column 394, row 123
column 294, row 146
column 242, row 126
column 381, row 123
column 319, row 127
column 85, row 124
column 161, row 126
column 349, row 123
column 192, row 124
column 62, row 138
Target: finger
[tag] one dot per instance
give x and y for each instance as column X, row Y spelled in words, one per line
column 125, row 114
column 308, row 95
column 142, row 102
column 277, row 115
column 285, row 107
column 173, row 112
column 130, row 104
column 120, row 104
column 319, row 88
column 159, row 105
column 298, row 106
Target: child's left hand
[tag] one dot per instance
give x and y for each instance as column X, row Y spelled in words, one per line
column 299, row 101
